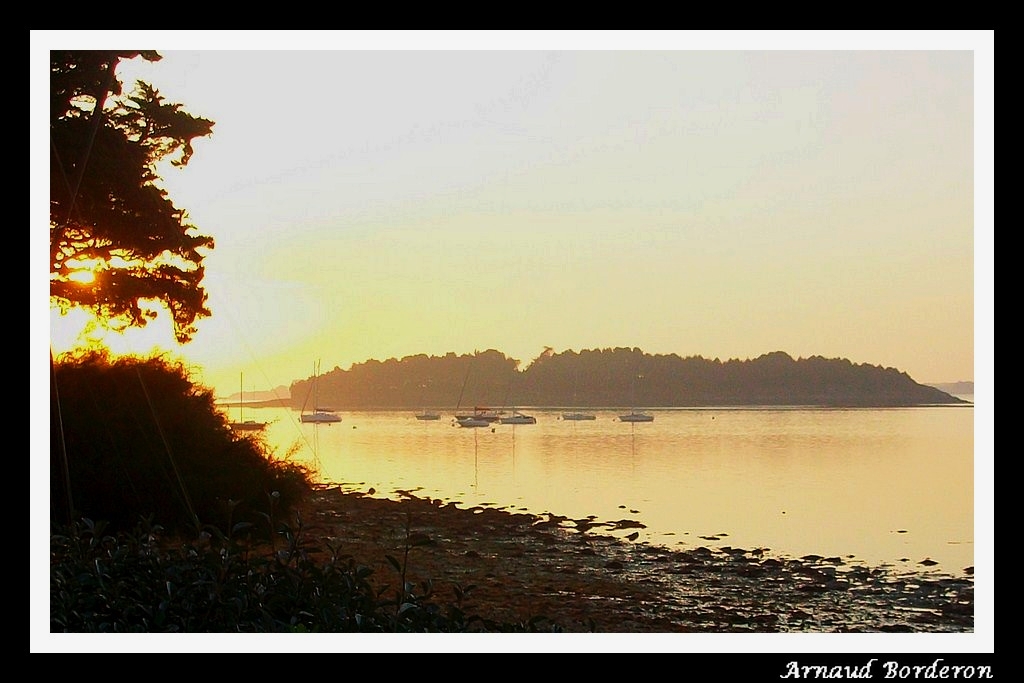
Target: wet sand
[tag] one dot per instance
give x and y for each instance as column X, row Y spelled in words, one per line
column 586, row 575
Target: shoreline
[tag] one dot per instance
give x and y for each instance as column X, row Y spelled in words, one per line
column 514, row 566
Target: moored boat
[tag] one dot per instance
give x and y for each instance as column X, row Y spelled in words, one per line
column 486, row 414
column 576, row 416
column 518, row 418
column 319, row 414
column 634, row 416
column 248, row 426
column 245, row 425
column 470, row 421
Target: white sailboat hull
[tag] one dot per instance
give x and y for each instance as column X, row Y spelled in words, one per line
column 518, row 418
column 320, row 416
column 472, row 422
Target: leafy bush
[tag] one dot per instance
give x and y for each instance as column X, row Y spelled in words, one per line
column 134, row 438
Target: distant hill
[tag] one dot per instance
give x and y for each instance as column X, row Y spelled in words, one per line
column 955, row 388
column 619, row 377
column 272, row 397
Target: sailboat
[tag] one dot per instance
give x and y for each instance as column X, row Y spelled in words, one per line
column 427, row 414
column 244, row 425
column 471, row 421
column 318, row 414
column 480, row 417
column 517, row 417
column 633, row 415
column 577, row 415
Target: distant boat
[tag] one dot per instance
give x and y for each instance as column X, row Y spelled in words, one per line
column 578, row 416
column 427, row 414
column 245, row 425
column 479, row 413
column 318, row 414
column 633, row 415
column 248, row 426
column 479, row 417
column 518, row 418
column 470, row 421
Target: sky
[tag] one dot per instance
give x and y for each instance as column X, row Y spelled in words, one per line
column 721, row 194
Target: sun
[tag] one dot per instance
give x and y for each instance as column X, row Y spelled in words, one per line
column 82, row 277
column 82, row 271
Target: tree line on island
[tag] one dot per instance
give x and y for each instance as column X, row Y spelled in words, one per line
column 619, row 377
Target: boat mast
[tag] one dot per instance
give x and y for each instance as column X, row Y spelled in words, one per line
column 309, row 391
column 316, row 385
column 463, row 389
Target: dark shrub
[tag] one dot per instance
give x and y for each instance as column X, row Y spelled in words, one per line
column 134, row 438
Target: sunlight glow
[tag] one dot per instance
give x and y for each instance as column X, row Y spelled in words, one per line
column 83, row 277
column 77, row 330
column 82, row 271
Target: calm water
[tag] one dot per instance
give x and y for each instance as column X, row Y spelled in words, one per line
column 891, row 486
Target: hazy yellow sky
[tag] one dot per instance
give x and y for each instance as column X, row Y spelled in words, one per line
column 714, row 194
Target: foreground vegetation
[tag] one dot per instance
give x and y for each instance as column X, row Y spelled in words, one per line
column 138, row 582
column 134, row 438
column 165, row 520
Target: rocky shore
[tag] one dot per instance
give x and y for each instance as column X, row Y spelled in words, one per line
column 584, row 575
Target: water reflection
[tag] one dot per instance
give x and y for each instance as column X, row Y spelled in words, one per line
column 886, row 486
